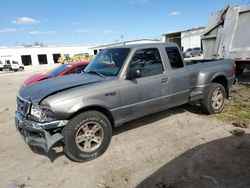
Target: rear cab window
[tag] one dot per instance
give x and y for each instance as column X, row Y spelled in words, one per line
column 174, row 57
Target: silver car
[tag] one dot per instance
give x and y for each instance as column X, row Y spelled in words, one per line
column 192, row 52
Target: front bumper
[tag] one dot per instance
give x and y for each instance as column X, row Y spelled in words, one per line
column 38, row 135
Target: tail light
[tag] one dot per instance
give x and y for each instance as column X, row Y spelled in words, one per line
column 234, row 68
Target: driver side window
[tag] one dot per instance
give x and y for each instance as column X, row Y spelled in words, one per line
column 148, row 61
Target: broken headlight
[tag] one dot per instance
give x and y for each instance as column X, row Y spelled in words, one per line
column 40, row 114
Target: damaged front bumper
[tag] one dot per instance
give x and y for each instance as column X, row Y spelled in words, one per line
column 39, row 136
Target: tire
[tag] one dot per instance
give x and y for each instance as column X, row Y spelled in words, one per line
column 214, row 99
column 87, row 136
column 21, row 68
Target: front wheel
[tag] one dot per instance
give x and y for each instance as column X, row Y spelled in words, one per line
column 214, row 99
column 87, row 136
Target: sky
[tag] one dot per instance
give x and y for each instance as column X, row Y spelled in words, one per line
column 67, row 22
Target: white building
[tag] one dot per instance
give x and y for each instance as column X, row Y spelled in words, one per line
column 190, row 38
column 37, row 55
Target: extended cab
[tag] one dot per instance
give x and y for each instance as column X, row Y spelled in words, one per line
column 122, row 83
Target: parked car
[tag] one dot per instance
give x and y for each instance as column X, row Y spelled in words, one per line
column 64, row 69
column 11, row 65
column 122, row 83
column 191, row 52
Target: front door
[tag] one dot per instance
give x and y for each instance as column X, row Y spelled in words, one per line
column 148, row 93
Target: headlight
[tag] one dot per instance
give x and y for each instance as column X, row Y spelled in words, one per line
column 40, row 114
column 36, row 111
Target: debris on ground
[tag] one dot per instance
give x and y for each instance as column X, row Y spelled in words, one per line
column 241, row 124
column 5, row 110
column 15, row 185
column 237, row 132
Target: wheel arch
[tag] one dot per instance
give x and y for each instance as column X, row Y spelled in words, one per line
column 98, row 108
column 221, row 79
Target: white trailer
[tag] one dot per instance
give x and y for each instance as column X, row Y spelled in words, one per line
column 227, row 35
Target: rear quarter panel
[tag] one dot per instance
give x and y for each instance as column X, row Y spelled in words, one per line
column 202, row 75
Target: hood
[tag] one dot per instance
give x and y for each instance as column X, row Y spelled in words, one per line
column 35, row 78
column 40, row 90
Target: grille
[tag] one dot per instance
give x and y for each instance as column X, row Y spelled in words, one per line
column 23, row 106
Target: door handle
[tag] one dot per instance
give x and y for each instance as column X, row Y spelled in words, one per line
column 164, row 80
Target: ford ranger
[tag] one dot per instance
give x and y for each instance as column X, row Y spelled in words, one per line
column 121, row 84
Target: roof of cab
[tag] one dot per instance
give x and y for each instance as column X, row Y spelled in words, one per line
column 144, row 45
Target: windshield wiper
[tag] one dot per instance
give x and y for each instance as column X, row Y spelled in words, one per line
column 95, row 72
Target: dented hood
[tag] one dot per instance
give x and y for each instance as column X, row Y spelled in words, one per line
column 40, row 90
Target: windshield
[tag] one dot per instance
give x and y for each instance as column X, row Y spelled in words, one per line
column 14, row 62
column 108, row 62
column 54, row 72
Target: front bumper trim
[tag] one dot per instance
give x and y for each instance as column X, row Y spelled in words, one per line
column 36, row 135
column 40, row 126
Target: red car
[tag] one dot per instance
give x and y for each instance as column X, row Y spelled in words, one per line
column 64, row 69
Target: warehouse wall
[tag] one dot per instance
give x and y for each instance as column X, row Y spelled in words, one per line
column 191, row 38
column 17, row 52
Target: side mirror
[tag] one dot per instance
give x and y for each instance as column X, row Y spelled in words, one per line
column 133, row 74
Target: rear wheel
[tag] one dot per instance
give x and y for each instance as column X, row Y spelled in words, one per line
column 87, row 136
column 214, row 99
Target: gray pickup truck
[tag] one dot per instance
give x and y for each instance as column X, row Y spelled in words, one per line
column 121, row 84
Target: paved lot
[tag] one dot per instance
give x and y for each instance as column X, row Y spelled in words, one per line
column 180, row 147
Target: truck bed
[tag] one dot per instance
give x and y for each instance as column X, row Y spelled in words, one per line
column 202, row 73
column 198, row 61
